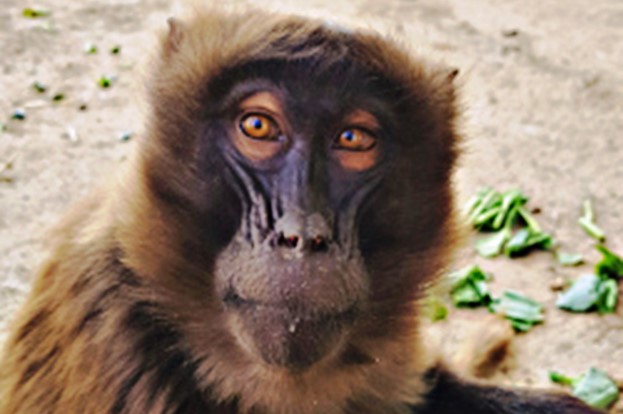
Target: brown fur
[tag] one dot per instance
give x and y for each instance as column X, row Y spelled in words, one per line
column 121, row 319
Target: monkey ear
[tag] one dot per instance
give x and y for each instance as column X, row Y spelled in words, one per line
column 175, row 35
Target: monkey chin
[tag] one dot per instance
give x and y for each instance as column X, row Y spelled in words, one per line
column 284, row 337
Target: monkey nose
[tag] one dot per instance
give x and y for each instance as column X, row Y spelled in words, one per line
column 310, row 233
column 315, row 244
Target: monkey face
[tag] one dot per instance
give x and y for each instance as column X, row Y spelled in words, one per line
column 303, row 160
column 315, row 179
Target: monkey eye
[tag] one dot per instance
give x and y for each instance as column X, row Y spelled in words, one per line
column 259, row 127
column 355, row 139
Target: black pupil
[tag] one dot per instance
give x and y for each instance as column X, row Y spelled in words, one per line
column 257, row 123
column 349, row 135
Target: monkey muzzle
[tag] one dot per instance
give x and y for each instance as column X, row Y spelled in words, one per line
column 290, row 308
column 287, row 337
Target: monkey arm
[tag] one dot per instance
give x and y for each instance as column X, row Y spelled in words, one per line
column 450, row 394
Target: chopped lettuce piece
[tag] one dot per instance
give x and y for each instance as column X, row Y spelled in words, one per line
column 525, row 240
column 493, row 245
column 105, row 82
column 587, row 222
column 490, row 210
column 592, row 229
column 596, row 389
column 33, row 13
column 90, row 48
column 522, row 311
column 470, row 287
column 608, row 293
column 581, row 296
column 39, row 87
column 562, row 379
column 19, row 114
column 610, row 265
column 511, row 200
column 529, row 220
column 569, row 259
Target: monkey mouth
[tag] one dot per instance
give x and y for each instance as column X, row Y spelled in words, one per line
column 287, row 336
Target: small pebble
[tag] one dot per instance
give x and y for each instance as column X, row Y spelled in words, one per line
column 558, row 284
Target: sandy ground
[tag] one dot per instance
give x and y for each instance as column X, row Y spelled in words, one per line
column 543, row 101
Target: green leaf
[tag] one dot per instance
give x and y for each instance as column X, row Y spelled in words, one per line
column 115, row 50
column 105, row 82
column 470, row 287
column 522, row 311
column 19, row 114
column 489, row 198
column 510, row 199
column 596, row 389
column 90, row 48
column 58, row 97
column 525, row 240
column 592, row 229
column 493, row 245
column 529, row 219
column 126, row 136
column 611, row 265
column 559, row 378
column 33, row 13
column 581, row 296
column 587, row 211
column 587, row 222
column 608, row 293
column 39, row 87
column 569, row 259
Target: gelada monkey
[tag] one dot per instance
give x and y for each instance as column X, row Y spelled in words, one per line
column 267, row 247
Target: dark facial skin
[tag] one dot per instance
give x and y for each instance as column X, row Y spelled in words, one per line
column 292, row 280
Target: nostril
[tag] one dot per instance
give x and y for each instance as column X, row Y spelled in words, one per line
column 291, row 242
column 319, row 244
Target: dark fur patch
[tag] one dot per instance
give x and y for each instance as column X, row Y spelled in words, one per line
column 35, row 366
column 37, row 320
column 452, row 395
column 166, row 363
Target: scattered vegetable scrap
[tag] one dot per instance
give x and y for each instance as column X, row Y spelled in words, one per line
column 470, row 287
column 522, row 311
column 90, row 48
column 569, row 259
column 587, row 221
column 126, row 136
column 33, row 13
column 594, row 387
column 105, row 82
column 491, row 211
column 595, row 291
column 58, row 97
column 39, row 87
column 19, row 114
column 115, row 50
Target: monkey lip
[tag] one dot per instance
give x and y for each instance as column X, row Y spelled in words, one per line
column 283, row 336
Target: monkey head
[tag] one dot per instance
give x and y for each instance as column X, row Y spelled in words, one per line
column 306, row 172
